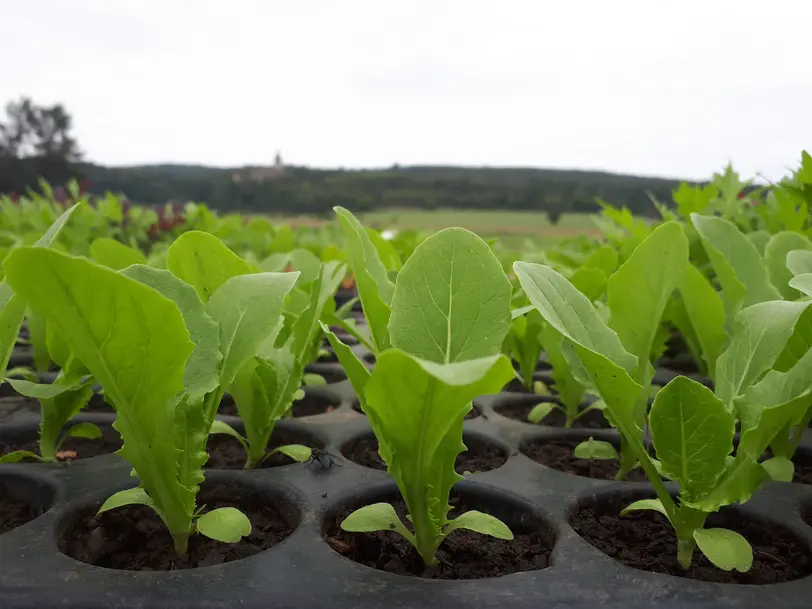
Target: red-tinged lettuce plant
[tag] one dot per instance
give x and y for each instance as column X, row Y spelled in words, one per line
column 692, row 428
column 163, row 357
column 448, row 317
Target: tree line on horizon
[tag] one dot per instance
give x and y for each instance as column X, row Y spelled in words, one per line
column 36, row 142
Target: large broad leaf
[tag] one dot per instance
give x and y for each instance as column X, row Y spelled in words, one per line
column 263, row 391
column 775, row 257
column 416, row 409
column 135, row 343
column 704, row 314
column 640, row 289
column 115, row 254
column 760, row 334
column 452, row 300
column 12, row 308
column 248, row 309
column 692, row 431
column 201, row 260
column 374, row 286
column 738, row 265
column 202, row 373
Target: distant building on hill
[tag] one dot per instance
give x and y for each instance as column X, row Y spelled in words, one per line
column 261, row 174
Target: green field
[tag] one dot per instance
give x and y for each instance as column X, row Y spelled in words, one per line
column 512, row 227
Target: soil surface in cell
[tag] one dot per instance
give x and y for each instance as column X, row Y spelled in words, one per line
column 645, row 540
column 133, row 537
column 803, row 466
column 463, row 554
column 330, row 373
column 481, row 456
column 72, row 448
column 558, row 454
column 15, row 513
column 593, row 419
column 472, row 414
column 97, row 404
column 310, row 405
column 226, row 452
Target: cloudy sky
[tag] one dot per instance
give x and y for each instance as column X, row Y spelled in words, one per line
column 648, row 87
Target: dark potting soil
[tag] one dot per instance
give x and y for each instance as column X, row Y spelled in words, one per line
column 308, row 406
column 516, row 386
column 15, row 513
column 97, row 404
column 134, row 538
column 803, row 467
column 645, row 540
column 593, row 419
column 330, row 376
column 226, row 452
column 72, row 448
column 481, row 456
column 472, row 414
column 328, row 357
column 558, row 454
column 463, row 555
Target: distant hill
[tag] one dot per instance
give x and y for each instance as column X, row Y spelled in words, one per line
column 296, row 189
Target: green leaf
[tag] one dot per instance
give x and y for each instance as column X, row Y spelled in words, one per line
column 595, row 449
column 357, row 372
column 780, row 469
column 304, row 261
column 706, row 313
column 135, row 343
column 570, row 390
column 416, row 409
column 760, row 334
column 645, row 504
column 313, row 380
column 305, row 334
column 591, row 282
column 375, row 517
column 89, row 431
column 640, row 289
column 374, row 287
column 248, row 309
column 201, row 260
column 38, row 338
column 263, row 390
column 203, row 367
column 540, row 411
column 480, row 522
column 114, row 254
column 799, row 262
column 38, row 391
column 802, row 283
column 130, row 496
column 692, row 431
column 297, row 452
column 775, row 257
column 221, row 427
column 739, row 267
column 226, row 524
column 741, row 479
column 12, row 308
column 726, row 549
column 452, row 300
column 759, row 239
column 18, row 455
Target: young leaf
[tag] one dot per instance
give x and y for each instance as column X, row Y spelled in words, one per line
column 203, row 368
column 18, row 455
column 297, row 452
column 452, row 300
column 227, row 524
column 111, row 322
column 540, row 411
column 775, row 257
column 480, row 522
column 90, row 431
column 640, row 289
column 201, row 260
column 357, row 372
column 130, row 496
column 780, row 469
column 114, row 254
column 591, row 282
column 248, row 309
column 802, row 283
column 645, row 504
column 726, row 549
column 692, row 431
column 595, row 449
column 760, row 334
column 376, row 517
column 221, row 427
column 38, row 338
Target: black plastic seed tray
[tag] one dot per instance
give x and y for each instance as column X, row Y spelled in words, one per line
column 304, row 571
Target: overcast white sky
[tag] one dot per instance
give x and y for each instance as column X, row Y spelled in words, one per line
column 650, row 87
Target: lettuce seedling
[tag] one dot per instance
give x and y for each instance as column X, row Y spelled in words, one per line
column 523, row 344
column 134, row 338
column 692, row 428
column 449, row 315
